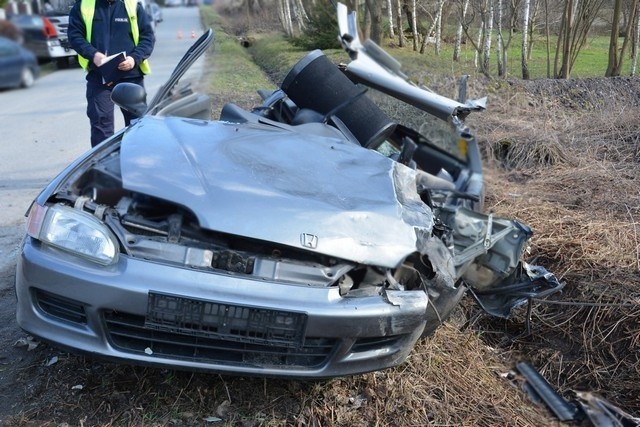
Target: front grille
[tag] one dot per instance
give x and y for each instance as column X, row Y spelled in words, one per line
column 230, row 322
column 129, row 333
column 60, row 307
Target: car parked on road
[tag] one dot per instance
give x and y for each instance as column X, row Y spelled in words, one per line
column 18, row 66
column 46, row 37
column 312, row 236
column 156, row 12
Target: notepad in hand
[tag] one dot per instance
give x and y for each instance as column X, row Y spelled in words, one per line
column 109, row 68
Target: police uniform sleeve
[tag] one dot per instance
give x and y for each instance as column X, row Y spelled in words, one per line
column 76, row 33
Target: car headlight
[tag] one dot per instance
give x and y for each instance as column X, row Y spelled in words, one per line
column 74, row 231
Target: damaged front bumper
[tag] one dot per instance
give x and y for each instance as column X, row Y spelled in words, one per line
column 150, row 313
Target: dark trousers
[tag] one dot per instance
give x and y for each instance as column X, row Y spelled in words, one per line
column 100, row 108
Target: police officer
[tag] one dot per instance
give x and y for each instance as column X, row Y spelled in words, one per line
column 99, row 28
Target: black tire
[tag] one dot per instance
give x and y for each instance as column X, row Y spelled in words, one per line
column 62, row 63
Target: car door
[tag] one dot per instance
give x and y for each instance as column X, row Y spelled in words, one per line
column 10, row 63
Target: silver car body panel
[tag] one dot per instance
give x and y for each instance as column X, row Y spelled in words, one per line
column 339, row 199
column 366, row 70
column 95, row 294
column 375, row 68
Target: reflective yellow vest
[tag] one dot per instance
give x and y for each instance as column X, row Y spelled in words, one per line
column 88, row 7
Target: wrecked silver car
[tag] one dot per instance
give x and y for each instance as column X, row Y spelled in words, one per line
column 311, row 237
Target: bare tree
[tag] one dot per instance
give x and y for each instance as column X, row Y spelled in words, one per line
column 547, row 36
column 487, row 33
column 374, row 7
column 300, row 14
column 636, row 40
column 525, row 33
column 479, row 8
column 400, row 28
column 616, row 56
column 434, row 32
column 439, row 26
column 409, row 8
column 577, row 18
column 390, row 17
column 612, row 66
column 365, row 24
column 461, row 25
column 482, row 44
column 414, row 25
column 284, row 13
column 564, row 40
column 476, row 45
column 506, row 12
column 534, row 10
column 501, row 53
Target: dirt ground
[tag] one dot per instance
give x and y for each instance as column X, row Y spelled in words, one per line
column 562, row 156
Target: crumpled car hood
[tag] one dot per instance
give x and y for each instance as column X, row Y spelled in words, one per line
column 276, row 184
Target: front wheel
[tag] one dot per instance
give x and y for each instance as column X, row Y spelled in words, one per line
column 62, row 63
column 27, row 78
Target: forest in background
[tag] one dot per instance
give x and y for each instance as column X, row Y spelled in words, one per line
column 505, row 38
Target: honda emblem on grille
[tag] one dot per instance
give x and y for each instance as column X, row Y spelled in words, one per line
column 309, row 240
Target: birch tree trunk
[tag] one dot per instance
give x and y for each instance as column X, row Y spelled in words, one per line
column 476, row 55
column 533, row 19
column 548, row 37
column 458, row 44
column 500, row 51
column 280, row 11
column 282, row 14
column 392, row 33
column 636, row 40
column 425, row 38
column 525, row 42
column 301, row 15
column 414, row 25
column 439, row 26
column 400, row 28
column 287, row 17
column 488, row 32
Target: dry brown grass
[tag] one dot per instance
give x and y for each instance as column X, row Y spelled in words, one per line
column 585, row 210
column 452, row 379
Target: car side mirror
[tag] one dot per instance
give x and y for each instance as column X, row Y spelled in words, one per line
column 130, row 96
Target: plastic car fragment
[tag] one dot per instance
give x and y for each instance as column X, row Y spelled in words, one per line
column 585, row 407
